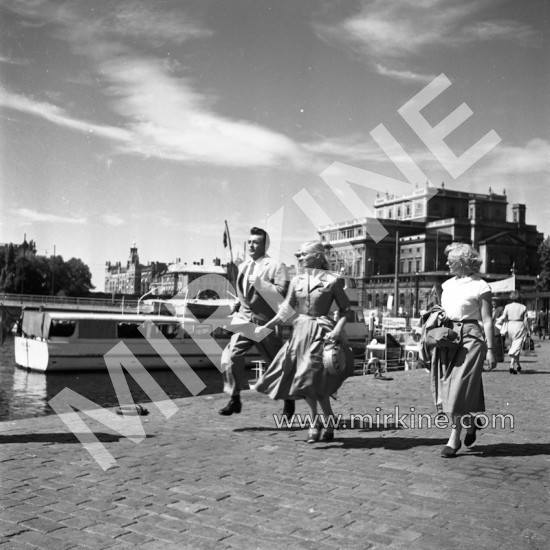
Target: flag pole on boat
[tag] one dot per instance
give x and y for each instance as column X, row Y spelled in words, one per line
column 226, row 243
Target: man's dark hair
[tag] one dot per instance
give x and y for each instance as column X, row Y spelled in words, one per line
column 259, row 231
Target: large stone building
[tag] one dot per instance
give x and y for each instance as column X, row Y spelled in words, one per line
column 132, row 278
column 169, row 279
column 194, row 281
column 410, row 259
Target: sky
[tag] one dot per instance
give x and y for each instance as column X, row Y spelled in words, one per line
column 153, row 123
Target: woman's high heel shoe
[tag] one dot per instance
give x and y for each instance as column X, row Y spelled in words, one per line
column 314, row 434
column 449, row 452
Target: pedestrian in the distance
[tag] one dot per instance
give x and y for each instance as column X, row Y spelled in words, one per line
column 515, row 316
column 541, row 323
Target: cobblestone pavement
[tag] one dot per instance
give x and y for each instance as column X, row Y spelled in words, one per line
column 203, row 481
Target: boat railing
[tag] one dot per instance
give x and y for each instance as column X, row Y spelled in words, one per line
column 66, row 302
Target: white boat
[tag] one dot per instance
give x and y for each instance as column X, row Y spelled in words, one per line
column 68, row 341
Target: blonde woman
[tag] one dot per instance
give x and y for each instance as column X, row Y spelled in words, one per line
column 298, row 370
column 466, row 299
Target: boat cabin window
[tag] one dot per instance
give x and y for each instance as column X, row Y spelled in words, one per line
column 59, row 328
column 96, row 328
column 169, row 330
column 129, row 330
column 220, row 332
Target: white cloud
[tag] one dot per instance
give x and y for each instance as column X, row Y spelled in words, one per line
column 181, row 126
column 350, row 148
column 532, row 158
column 162, row 115
column 111, row 21
column 406, row 75
column 57, row 115
column 13, row 60
column 112, row 219
column 390, row 32
column 365, row 153
column 29, row 215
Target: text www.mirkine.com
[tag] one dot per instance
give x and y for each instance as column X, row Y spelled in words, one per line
column 396, row 419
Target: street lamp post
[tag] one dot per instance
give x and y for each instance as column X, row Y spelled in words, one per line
column 396, row 275
column 154, row 288
column 416, row 281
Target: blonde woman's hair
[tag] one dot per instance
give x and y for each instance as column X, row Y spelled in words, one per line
column 467, row 256
column 318, row 248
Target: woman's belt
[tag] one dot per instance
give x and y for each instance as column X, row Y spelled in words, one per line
column 465, row 321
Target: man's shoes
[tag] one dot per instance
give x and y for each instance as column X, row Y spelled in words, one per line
column 328, row 435
column 449, row 452
column 519, row 368
column 289, row 408
column 234, row 406
column 513, row 371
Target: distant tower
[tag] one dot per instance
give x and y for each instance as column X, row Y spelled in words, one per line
column 134, row 258
column 518, row 214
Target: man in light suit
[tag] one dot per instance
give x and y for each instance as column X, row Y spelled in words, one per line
column 262, row 283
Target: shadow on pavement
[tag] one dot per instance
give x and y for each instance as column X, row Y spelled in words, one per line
column 523, row 371
column 390, row 443
column 510, row 449
column 58, row 438
column 374, row 428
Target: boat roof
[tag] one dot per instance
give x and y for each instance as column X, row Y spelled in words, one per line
column 120, row 317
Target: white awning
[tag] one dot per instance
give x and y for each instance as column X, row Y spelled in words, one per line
column 505, row 285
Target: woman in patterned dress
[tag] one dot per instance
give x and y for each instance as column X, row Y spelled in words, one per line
column 298, row 370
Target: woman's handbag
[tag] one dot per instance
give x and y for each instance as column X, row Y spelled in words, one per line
column 502, row 326
column 528, row 344
column 334, row 358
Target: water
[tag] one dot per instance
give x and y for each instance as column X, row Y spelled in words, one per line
column 25, row 394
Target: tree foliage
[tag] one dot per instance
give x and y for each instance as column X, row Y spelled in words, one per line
column 22, row 271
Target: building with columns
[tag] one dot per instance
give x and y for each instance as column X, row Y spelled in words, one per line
column 419, row 225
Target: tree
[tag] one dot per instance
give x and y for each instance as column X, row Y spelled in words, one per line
column 7, row 274
column 31, row 274
column 544, row 259
column 78, row 278
column 23, row 271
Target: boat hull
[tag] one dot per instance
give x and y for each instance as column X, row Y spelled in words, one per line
column 48, row 356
